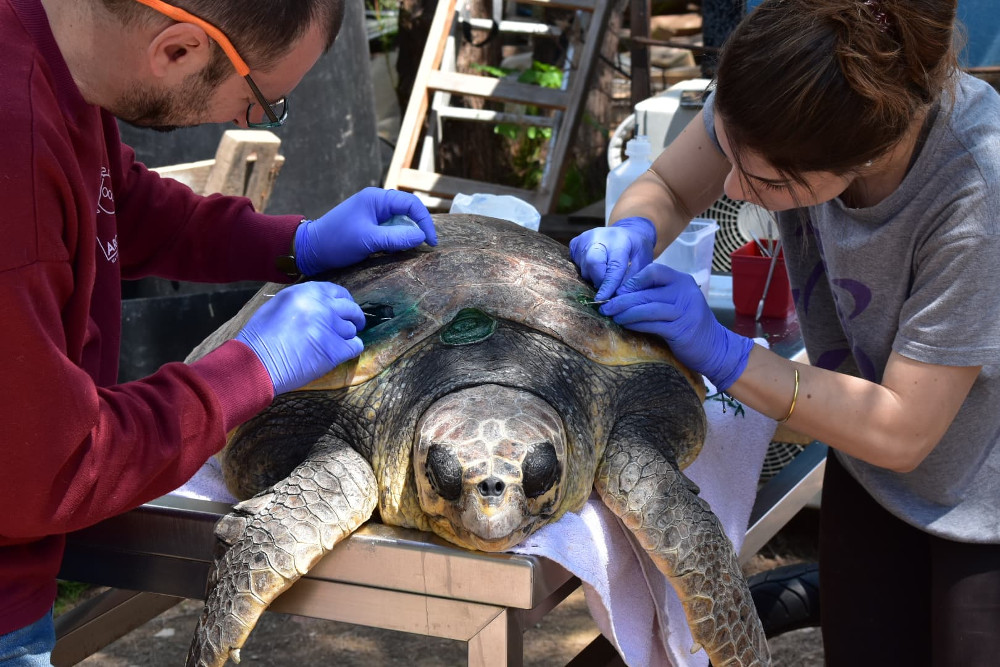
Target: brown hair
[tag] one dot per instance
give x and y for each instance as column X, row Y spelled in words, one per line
column 826, row 85
column 261, row 30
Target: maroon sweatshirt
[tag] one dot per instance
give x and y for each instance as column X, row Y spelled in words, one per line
column 79, row 214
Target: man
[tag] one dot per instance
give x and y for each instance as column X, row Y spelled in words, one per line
column 80, row 214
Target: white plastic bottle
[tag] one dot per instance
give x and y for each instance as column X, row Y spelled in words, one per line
column 637, row 150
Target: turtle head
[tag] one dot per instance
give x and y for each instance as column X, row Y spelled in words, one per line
column 489, row 464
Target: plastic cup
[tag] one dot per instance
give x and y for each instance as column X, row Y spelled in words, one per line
column 691, row 252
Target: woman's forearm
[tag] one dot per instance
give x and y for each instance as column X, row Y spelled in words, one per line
column 893, row 425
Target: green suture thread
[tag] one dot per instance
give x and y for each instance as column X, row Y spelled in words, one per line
column 585, row 299
column 726, row 399
column 470, row 325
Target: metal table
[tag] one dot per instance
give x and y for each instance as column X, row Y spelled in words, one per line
column 160, row 553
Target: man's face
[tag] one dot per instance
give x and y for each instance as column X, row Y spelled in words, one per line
column 167, row 110
column 203, row 99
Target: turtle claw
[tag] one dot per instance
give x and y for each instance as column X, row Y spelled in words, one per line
column 274, row 538
column 686, row 542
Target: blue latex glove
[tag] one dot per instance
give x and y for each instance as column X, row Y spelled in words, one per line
column 351, row 231
column 608, row 256
column 669, row 303
column 303, row 332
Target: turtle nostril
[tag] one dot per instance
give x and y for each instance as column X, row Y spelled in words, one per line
column 491, row 487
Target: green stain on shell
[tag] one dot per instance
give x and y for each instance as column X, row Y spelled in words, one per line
column 470, row 325
column 398, row 319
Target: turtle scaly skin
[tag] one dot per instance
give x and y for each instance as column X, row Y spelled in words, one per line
column 643, row 486
column 489, row 402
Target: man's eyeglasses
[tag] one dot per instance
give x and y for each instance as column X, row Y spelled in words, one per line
column 275, row 112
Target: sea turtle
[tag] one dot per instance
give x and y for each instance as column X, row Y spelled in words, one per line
column 491, row 398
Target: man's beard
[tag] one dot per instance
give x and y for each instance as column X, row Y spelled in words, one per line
column 143, row 107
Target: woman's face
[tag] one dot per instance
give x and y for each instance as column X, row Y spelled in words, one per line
column 762, row 184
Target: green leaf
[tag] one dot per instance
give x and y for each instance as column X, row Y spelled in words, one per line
column 542, row 74
column 545, row 67
column 528, row 76
column 550, row 80
column 498, row 72
column 506, row 130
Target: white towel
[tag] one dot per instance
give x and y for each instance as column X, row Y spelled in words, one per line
column 625, row 592
column 207, row 484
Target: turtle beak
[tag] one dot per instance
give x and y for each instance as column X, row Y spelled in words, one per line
column 494, row 515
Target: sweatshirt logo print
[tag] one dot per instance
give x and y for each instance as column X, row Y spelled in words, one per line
column 106, row 206
column 110, row 249
column 106, row 197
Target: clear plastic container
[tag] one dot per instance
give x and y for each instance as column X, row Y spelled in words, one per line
column 691, row 252
column 638, row 150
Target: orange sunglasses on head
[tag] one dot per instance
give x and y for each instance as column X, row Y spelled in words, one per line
column 276, row 112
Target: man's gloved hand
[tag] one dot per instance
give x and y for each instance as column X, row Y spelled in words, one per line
column 608, row 256
column 351, row 231
column 303, row 332
column 669, row 303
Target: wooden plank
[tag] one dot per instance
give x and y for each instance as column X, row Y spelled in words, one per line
column 246, row 164
column 578, row 87
column 433, row 204
column 92, row 625
column 416, row 109
column 639, row 12
column 191, row 174
column 518, row 27
column 497, row 89
column 487, row 116
column 243, row 165
column 581, row 5
column 449, row 186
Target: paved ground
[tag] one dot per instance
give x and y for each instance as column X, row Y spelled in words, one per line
column 281, row 640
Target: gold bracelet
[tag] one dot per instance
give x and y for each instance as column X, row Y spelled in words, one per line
column 795, row 397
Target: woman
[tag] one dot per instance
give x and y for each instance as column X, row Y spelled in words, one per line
column 852, row 122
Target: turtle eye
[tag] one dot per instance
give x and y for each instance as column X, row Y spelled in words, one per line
column 540, row 469
column 444, row 472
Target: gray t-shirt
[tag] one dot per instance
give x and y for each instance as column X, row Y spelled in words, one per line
column 917, row 273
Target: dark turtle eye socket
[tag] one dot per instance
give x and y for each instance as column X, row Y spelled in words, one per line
column 444, row 472
column 540, row 469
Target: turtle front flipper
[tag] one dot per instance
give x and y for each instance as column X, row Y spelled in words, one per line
column 685, row 540
column 274, row 538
